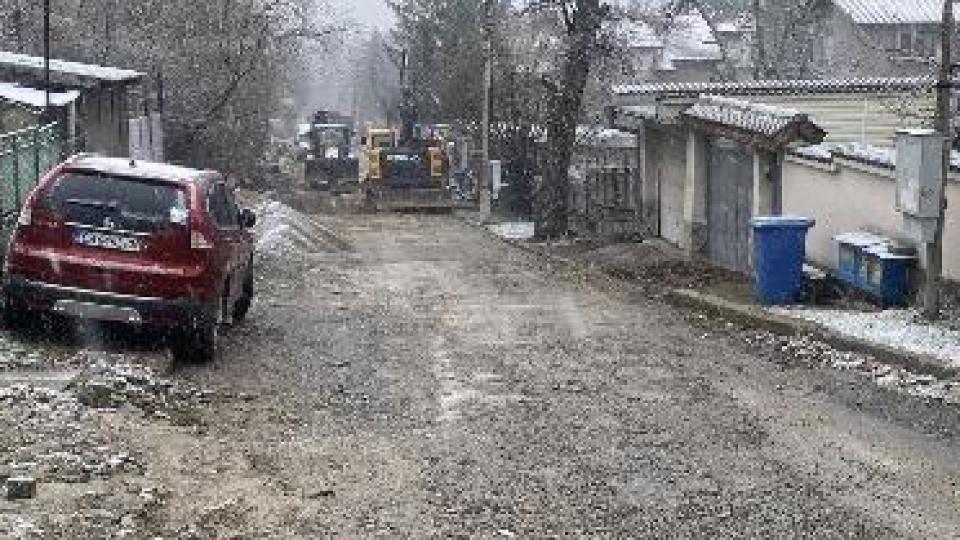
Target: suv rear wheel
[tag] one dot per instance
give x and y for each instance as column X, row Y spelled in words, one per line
column 199, row 344
column 242, row 305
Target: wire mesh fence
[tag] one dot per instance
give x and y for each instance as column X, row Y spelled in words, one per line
column 25, row 156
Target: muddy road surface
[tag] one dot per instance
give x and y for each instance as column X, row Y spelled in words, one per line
column 422, row 379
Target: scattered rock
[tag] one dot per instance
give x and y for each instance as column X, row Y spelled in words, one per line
column 21, row 487
column 320, row 493
column 112, row 385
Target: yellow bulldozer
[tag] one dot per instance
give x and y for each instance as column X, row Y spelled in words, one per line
column 408, row 176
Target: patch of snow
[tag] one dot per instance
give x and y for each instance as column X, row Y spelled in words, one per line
column 104, row 73
column 900, row 329
column 284, row 233
column 881, row 156
column 33, row 97
column 516, row 230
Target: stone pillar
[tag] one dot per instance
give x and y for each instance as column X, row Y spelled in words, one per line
column 694, row 240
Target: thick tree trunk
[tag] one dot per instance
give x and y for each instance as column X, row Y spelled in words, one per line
column 583, row 24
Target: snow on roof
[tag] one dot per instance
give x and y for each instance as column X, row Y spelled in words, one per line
column 690, row 39
column 884, row 157
column 795, row 86
column 89, row 71
column 892, row 11
column 638, row 35
column 134, row 168
column 596, row 135
column 753, row 117
column 31, row 97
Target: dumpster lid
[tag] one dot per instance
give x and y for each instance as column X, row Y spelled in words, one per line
column 860, row 239
column 782, row 221
column 890, row 253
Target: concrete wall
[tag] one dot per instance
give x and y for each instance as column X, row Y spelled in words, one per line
column 848, row 196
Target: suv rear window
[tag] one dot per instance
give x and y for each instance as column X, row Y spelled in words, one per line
column 115, row 202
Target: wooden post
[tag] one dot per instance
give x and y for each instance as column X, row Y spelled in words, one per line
column 934, row 250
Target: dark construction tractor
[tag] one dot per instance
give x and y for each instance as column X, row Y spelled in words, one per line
column 329, row 163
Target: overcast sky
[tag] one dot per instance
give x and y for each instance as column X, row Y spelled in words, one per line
column 373, row 13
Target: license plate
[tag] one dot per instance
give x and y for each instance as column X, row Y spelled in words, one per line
column 106, row 241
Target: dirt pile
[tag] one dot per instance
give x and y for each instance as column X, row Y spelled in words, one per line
column 650, row 263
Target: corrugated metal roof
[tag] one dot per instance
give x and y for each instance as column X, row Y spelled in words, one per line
column 77, row 69
column 892, row 11
column 796, row 86
column 31, row 97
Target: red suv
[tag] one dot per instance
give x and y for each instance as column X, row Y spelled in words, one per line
column 111, row 239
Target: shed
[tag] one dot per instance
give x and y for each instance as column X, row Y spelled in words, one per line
column 104, row 103
column 711, row 166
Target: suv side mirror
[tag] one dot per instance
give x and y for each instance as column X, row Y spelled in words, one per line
column 247, row 218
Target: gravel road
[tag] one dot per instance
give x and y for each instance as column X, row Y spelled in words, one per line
column 432, row 381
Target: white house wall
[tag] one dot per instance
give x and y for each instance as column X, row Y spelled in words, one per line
column 864, row 118
column 847, row 197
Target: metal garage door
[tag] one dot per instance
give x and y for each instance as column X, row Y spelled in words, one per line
column 729, row 205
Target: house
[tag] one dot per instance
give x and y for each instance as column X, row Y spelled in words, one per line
column 714, row 155
column 855, row 38
column 684, row 47
column 106, row 99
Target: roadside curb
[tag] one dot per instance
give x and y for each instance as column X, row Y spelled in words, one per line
column 757, row 317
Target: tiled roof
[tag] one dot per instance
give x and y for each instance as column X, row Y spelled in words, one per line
column 892, row 11
column 752, row 117
column 800, row 86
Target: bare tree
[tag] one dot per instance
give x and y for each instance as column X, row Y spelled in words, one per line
column 225, row 64
column 582, row 21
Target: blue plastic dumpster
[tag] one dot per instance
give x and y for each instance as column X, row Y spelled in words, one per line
column 781, row 248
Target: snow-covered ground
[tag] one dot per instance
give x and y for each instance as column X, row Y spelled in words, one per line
column 901, row 329
column 515, row 230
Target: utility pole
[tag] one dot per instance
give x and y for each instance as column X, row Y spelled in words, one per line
column 46, row 55
column 484, row 195
column 18, row 26
column 934, row 250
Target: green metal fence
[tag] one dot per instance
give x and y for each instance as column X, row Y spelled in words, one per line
column 25, row 156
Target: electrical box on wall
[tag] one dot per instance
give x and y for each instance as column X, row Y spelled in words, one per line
column 919, row 173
